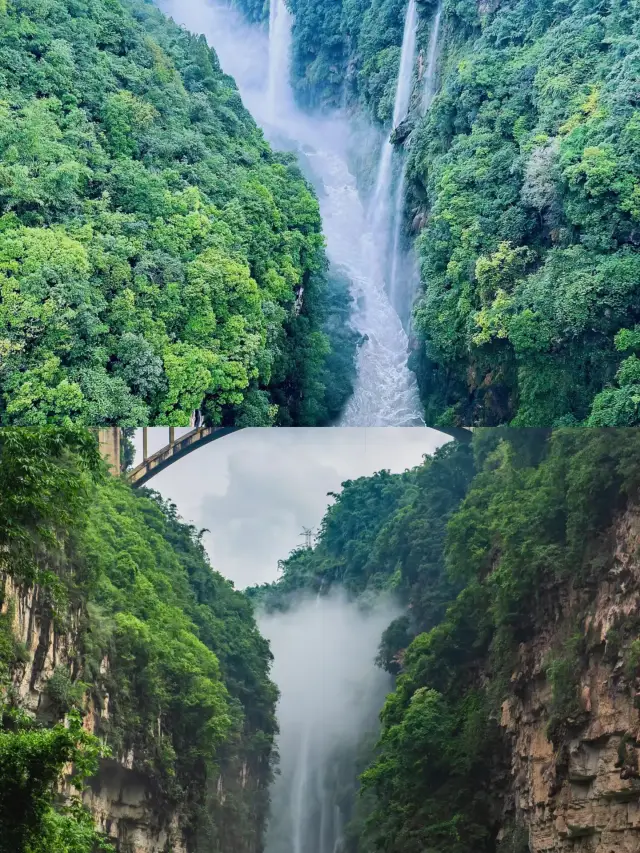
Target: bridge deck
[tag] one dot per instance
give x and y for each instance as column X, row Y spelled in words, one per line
column 176, row 450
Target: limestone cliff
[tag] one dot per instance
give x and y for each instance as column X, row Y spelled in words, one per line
column 581, row 793
column 119, row 797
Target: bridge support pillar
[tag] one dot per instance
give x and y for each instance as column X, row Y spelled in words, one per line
column 109, row 441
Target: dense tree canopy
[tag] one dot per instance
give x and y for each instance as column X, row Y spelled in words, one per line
column 187, row 674
column 156, row 257
column 523, row 195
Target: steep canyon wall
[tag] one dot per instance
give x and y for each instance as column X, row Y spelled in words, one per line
column 582, row 794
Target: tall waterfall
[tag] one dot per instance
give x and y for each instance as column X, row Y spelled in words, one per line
column 430, row 77
column 429, row 93
column 382, row 194
column 279, row 47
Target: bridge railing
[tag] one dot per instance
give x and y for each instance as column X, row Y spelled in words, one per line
column 176, row 449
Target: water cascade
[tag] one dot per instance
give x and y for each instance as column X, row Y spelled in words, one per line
column 330, row 693
column 386, row 391
column 279, row 47
column 404, row 300
column 382, row 196
column 430, row 77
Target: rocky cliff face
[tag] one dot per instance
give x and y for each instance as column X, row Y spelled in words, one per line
column 582, row 794
column 119, row 797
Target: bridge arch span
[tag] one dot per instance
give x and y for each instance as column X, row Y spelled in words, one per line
column 178, row 448
column 109, row 440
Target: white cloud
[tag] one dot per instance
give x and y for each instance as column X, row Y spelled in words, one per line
column 256, row 489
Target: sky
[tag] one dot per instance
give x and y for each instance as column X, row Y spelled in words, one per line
column 256, row 490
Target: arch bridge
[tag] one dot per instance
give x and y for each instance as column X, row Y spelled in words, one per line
column 177, row 448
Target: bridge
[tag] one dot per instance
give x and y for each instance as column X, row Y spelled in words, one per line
column 177, row 448
column 110, row 440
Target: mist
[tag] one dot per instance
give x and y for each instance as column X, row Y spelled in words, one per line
column 331, row 692
column 358, row 242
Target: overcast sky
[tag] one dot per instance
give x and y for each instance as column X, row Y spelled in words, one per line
column 255, row 490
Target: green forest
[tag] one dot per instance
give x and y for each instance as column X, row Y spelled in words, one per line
column 476, row 542
column 156, row 256
column 186, row 687
column 523, row 199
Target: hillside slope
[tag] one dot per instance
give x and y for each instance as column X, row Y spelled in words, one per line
column 110, row 610
column 156, row 256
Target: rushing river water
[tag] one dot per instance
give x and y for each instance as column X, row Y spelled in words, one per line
column 386, row 392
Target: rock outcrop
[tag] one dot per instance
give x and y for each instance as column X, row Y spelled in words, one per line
column 582, row 795
column 119, row 797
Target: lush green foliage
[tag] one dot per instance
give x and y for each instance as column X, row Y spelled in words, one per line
column 156, row 257
column 32, row 760
column 524, row 183
column 187, row 674
column 45, row 478
column 475, row 541
column 528, row 168
column 188, row 670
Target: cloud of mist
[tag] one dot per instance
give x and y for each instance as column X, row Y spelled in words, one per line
column 242, row 48
column 331, row 693
column 243, row 52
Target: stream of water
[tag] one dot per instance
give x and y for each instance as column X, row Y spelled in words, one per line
column 386, row 392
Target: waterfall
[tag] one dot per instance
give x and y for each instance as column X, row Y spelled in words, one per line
column 386, row 391
column 338, row 831
column 432, row 61
column 382, row 192
column 279, row 47
column 398, row 212
column 301, row 794
column 330, row 695
column 396, row 252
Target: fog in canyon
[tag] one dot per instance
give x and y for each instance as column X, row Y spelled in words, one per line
column 331, row 693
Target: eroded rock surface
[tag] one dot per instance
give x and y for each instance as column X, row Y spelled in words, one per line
column 583, row 795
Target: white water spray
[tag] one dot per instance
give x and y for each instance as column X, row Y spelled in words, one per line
column 386, row 392
column 330, row 693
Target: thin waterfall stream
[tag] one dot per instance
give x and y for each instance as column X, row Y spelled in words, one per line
column 401, row 296
column 388, row 205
